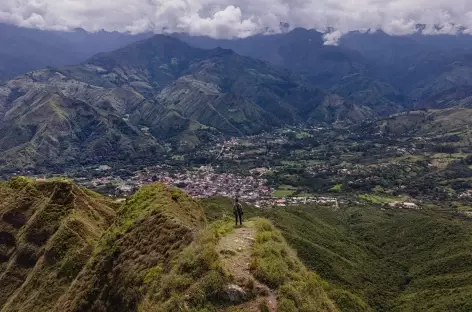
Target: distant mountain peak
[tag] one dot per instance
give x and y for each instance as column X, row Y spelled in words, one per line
column 284, row 27
column 79, row 30
column 219, row 51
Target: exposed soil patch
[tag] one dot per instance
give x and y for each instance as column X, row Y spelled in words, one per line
column 7, row 239
column 15, row 218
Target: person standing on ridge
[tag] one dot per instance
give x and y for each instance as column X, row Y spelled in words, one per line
column 238, row 212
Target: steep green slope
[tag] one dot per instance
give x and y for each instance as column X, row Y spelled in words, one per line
column 378, row 260
column 218, row 88
column 379, row 96
column 432, row 123
column 459, row 96
column 275, row 263
column 152, row 228
column 46, row 129
column 64, row 248
column 199, row 279
column 449, row 72
column 48, row 231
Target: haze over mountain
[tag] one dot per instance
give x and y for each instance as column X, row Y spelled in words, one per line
column 386, row 73
column 243, row 18
column 25, row 49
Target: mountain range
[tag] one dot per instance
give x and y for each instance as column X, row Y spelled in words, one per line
column 24, row 49
column 386, row 73
column 125, row 104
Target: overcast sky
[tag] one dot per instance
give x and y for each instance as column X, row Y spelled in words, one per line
column 237, row 18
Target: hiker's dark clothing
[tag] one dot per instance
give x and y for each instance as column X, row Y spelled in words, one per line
column 238, row 213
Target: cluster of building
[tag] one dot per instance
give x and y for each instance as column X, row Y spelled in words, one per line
column 405, row 205
column 294, row 201
column 205, row 182
column 466, row 195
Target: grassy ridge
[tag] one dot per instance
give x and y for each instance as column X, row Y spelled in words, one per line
column 64, row 248
column 152, row 228
column 275, row 264
column 197, row 279
column 392, row 260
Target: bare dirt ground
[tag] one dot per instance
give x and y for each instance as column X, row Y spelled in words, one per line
column 236, row 253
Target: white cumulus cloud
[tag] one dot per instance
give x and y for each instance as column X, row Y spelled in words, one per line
column 240, row 18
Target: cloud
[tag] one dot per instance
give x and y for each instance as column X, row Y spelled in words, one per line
column 332, row 37
column 240, row 18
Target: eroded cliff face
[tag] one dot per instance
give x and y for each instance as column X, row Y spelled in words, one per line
column 48, row 231
column 65, row 248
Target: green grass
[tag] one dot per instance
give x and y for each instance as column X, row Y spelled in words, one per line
column 159, row 253
column 244, row 143
column 303, row 135
column 453, row 156
column 379, row 199
column 277, row 265
column 337, row 188
column 255, row 151
column 284, row 191
column 53, row 228
column 305, row 195
column 152, row 229
column 327, row 249
column 464, row 208
column 196, row 277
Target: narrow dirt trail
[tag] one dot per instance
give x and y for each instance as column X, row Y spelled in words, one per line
column 236, row 255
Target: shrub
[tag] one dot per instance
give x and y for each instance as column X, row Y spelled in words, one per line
column 176, row 195
column 337, row 188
